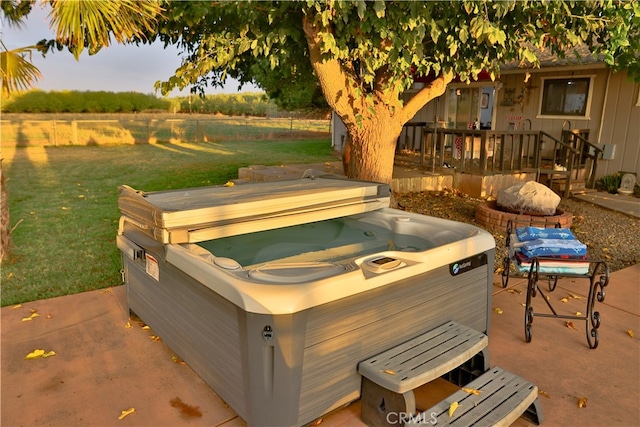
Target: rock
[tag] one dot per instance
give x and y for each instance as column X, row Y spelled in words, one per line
column 530, row 197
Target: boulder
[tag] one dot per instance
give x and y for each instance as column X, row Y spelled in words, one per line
column 530, row 198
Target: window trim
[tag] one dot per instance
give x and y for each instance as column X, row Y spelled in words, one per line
column 587, row 112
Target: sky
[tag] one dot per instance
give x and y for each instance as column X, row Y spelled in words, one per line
column 117, row 68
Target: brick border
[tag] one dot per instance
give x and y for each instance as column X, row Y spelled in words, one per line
column 488, row 214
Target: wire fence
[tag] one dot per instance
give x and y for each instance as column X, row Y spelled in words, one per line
column 25, row 132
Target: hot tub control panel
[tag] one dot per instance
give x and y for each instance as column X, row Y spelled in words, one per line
column 382, row 263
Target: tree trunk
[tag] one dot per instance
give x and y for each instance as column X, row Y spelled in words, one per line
column 5, row 236
column 372, row 149
column 373, row 122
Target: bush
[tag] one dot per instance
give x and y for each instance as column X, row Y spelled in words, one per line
column 609, row 183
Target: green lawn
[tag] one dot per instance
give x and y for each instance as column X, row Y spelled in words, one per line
column 63, row 202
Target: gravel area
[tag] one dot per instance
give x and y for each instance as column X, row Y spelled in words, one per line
column 610, row 236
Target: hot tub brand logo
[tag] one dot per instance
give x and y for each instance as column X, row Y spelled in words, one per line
column 457, row 267
column 467, row 264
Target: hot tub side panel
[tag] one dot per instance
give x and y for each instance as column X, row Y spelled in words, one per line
column 252, row 361
column 343, row 333
column 202, row 328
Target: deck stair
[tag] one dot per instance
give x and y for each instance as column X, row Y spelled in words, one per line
column 390, row 378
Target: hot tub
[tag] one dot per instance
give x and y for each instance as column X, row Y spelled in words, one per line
column 274, row 292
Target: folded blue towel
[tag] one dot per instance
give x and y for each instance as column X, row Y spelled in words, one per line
column 548, row 247
column 532, row 233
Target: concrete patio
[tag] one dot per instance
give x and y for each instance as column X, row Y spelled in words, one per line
column 102, row 366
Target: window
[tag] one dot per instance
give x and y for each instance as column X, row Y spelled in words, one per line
column 566, row 97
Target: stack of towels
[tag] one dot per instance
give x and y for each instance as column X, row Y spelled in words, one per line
column 556, row 245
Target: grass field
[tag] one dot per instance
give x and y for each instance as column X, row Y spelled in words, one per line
column 63, row 202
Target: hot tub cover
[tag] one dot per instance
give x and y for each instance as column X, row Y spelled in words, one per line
column 199, row 214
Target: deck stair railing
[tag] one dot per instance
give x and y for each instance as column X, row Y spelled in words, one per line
column 491, row 152
column 587, row 155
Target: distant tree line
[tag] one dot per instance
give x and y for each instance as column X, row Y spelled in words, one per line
column 37, row 101
column 239, row 104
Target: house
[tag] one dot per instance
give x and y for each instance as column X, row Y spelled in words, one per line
column 567, row 100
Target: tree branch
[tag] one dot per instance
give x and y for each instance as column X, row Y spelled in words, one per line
column 426, row 94
column 338, row 87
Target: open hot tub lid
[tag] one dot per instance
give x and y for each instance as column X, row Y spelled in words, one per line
column 198, row 214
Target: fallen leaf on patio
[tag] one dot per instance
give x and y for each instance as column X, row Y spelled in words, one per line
column 146, row 327
column 514, row 291
column 17, row 306
column 128, row 325
column 569, row 325
column 35, row 354
column 630, row 332
column 154, row 337
column 316, row 422
column 49, row 316
column 49, row 354
column 33, row 314
column 177, row 360
column 578, row 313
column 452, row 408
column 523, row 304
column 389, row 371
column 471, row 390
column 229, row 184
column 126, row 412
column 544, row 393
column 565, row 299
column 498, row 310
column 582, row 402
column 104, row 291
column 574, row 296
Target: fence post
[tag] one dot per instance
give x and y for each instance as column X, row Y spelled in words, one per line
column 53, row 136
column 74, row 132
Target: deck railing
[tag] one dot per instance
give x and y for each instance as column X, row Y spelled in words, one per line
column 491, row 152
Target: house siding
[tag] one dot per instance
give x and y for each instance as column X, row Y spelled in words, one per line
column 621, row 126
column 613, row 118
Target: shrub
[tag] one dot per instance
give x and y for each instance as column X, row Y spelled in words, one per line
column 609, row 183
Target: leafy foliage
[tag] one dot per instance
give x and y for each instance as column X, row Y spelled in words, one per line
column 609, row 183
column 92, row 23
column 18, row 73
column 394, row 40
column 37, row 101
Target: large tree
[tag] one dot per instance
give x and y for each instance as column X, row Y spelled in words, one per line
column 363, row 55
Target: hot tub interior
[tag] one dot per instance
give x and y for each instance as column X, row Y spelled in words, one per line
column 337, row 240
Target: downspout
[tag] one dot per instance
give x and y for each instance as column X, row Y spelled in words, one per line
column 604, row 106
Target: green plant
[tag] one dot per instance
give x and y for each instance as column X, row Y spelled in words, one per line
column 609, row 183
